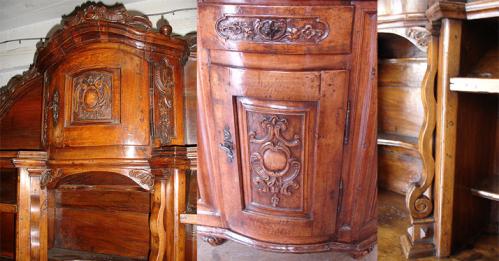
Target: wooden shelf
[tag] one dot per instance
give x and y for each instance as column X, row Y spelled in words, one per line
column 407, row 142
column 59, row 254
column 481, row 85
column 489, row 188
column 8, row 208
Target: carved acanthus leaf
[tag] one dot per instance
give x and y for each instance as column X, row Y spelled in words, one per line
column 272, row 29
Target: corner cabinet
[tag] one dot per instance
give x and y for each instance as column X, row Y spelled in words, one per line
column 287, row 125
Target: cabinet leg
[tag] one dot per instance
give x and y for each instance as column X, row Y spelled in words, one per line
column 156, row 222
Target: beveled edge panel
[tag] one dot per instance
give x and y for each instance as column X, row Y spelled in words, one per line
column 357, row 249
column 329, row 30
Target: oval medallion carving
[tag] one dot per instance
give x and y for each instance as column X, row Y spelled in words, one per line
column 275, row 167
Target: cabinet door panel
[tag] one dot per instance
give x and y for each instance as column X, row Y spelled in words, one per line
column 281, row 156
column 100, row 101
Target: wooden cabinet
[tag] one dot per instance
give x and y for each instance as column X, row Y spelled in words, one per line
column 103, row 171
column 287, row 125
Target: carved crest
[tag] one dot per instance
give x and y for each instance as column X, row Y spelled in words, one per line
column 92, row 96
column 272, row 29
column 14, row 86
column 98, row 11
column 274, row 167
column 164, row 84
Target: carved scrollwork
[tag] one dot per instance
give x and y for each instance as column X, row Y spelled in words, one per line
column 99, row 11
column 273, row 164
column 48, row 176
column 92, row 96
column 272, row 29
column 143, row 177
column 54, row 106
column 165, row 84
column 228, row 145
column 420, row 35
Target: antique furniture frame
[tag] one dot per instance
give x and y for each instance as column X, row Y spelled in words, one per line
column 158, row 153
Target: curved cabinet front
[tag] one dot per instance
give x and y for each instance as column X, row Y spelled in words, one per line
column 276, row 97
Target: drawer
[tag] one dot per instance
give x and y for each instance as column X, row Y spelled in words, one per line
column 277, row 29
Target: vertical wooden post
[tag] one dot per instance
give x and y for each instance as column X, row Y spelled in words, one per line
column 179, row 207
column 31, row 221
column 447, row 103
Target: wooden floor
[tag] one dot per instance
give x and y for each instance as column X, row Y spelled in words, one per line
column 393, row 220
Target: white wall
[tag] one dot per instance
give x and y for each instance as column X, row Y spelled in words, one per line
column 16, row 57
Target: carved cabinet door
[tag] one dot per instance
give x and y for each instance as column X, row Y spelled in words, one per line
column 95, row 99
column 280, row 150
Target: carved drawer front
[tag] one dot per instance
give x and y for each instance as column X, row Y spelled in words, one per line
column 279, row 149
column 99, row 102
column 296, row 29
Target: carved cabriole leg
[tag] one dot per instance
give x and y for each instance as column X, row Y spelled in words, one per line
column 418, row 241
column 31, row 222
column 157, row 219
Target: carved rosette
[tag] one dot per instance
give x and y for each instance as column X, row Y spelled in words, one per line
column 142, row 177
column 272, row 29
column 164, row 84
column 274, row 169
column 92, row 96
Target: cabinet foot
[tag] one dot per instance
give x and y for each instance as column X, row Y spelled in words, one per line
column 418, row 241
column 214, row 241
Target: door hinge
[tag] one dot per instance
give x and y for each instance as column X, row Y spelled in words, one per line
column 346, row 135
column 340, row 196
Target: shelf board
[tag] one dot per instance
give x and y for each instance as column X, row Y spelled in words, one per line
column 483, row 85
column 400, row 141
column 59, row 254
column 8, row 208
column 488, row 188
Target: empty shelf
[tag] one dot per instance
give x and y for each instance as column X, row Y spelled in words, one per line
column 8, row 208
column 483, row 85
column 488, row 188
column 398, row 141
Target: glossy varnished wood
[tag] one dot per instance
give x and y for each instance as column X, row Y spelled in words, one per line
column 269, row 83
column 105, row 93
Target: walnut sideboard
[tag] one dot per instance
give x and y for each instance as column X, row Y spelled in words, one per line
column 287, row 125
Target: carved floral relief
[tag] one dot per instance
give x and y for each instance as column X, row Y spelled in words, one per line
column 164, row 84
column 272, row 29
